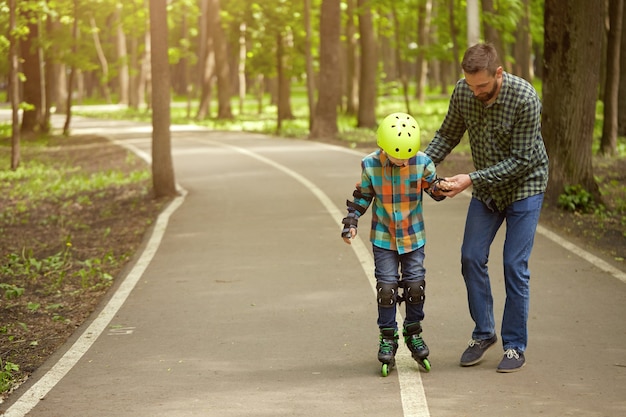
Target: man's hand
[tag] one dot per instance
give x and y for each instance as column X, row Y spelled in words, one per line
column 451, row 186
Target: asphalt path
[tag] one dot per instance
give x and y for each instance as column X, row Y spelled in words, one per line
column 244, row 301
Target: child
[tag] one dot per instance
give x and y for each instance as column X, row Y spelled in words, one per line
column 392, row 180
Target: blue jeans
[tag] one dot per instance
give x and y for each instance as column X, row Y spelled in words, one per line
column 388, row 265
column 481, row 227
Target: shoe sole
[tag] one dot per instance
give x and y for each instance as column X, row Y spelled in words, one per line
column 508, row 371
column 476, row 361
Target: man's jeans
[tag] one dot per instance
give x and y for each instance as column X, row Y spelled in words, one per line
column 481, row 226
column 388, row 264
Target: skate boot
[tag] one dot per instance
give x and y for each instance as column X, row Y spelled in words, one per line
column 387, row 349
column 417, row 346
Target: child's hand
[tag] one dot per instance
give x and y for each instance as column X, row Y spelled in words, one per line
column 350, row 223
column 347, row 239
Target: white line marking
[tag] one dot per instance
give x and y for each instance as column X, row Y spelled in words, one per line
column 578, row 251
column 40, row 389
column 592, row 259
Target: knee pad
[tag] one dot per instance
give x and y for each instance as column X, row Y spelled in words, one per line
column 414, row 291
column 386, row 294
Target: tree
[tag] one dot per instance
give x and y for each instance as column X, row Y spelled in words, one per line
column 329, row 92
column 473, row 22
column 310, row 73
column 523, row 45
column 351, row 76
column 572, row 50
column 423, row 38
column 73, row 70
column 14, row 86
column 366, row 116
column 621, row 118
column 608, row 142
column 222, row 68
column 162, row 166
column 33, row 89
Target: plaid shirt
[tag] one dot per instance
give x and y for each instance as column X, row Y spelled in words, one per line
column 396, row 196
column 509, row 155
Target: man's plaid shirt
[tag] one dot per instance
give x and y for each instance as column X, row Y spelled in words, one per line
column 509, row 155
column 396, row 197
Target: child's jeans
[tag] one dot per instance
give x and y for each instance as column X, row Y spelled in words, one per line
column 388, row 267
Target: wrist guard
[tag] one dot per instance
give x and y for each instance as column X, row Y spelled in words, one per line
column 349, row 222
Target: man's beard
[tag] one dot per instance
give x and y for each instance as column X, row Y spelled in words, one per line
column 485, row 97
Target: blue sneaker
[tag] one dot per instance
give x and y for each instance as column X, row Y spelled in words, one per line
column 476, row 350
column 512, row 361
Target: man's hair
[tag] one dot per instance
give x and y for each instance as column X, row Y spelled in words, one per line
column 480, row 57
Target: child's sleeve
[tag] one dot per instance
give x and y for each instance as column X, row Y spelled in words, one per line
column 430, row 181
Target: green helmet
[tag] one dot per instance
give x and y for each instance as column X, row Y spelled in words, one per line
column 399, row 135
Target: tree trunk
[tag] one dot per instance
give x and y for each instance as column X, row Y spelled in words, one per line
column 162, row 166
column 352, row 75
column 621, row 118
column 222, row 67
column 325, row 120
column 368, row 67
column 104, row 64
column 310, row 74
column 14, row 91
column 572, row 50
column 608, row 143
column 32, row 91
column 284, row 75
column 122, row 56
column 491, row 33
column 73, row 72
column 398, row 58
column 423, row 39
column 241, row 70
column 473, row 22
column 454, row 34
column 523, row 45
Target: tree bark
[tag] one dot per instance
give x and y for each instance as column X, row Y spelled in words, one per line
column 572, row 50
column 310, row 74
column 352, row 74
column 14, row 91
column 241, row 69
column 608, row 143
column 122, row 56
column 473, row 22
column 104, row 65
column 423, row 39
column 284, row 42
column 162, row 166
column 492, row 35
column 32, row 91
column 621, row 118
column 325, row 120
column 222, row 67
column 368, row 67
column 523, row 45
column 73, row 72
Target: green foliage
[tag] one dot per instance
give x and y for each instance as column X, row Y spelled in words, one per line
column 576, row 199
column 11, row 291
column 7, row 374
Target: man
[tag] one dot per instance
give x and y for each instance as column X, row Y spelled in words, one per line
column 502, row 115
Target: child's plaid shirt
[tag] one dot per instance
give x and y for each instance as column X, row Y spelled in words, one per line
column 396, row 195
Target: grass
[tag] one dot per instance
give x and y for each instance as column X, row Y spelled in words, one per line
column 429, row 117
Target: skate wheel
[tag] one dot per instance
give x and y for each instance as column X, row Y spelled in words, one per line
column 426, row 365
column 384, row 369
